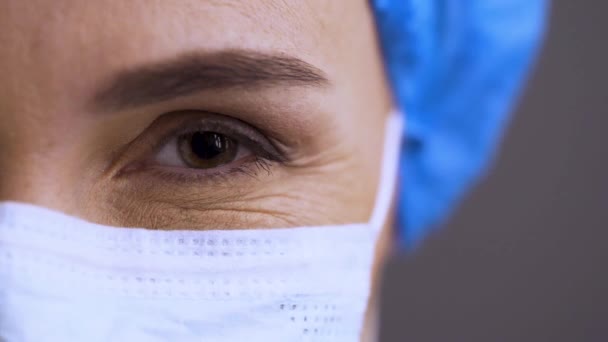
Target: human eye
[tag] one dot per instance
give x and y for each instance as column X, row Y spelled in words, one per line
column 195, row 146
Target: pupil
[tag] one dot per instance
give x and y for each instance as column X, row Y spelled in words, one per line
column 208, row 145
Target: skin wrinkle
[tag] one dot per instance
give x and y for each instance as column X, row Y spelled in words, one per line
column 243, row 203
column 233, row 215
column 181, row 215
column 243, row 199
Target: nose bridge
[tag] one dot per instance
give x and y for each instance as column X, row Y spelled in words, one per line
column 34, row 165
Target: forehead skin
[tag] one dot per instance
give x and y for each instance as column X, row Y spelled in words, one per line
column 91, row 39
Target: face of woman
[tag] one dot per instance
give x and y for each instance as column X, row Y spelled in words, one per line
column 192, row 115
column 199, row 115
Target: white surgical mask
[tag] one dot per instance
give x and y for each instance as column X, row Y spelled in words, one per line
column 65, row 279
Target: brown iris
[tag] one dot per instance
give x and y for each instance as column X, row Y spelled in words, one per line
column 206, row 150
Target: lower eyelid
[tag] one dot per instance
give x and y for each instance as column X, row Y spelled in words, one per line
column 249, row 167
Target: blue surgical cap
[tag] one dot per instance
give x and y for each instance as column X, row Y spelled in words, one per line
column 456, row 67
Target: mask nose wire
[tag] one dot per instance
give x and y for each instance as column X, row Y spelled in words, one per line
column 388, row 173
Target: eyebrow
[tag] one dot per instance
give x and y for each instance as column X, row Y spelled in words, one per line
column 197, row 72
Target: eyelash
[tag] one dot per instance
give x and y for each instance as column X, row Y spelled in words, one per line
column 263, row 157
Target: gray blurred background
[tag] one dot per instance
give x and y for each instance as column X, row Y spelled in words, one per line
column 525, row 258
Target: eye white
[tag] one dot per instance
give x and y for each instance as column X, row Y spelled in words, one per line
column 169, row 154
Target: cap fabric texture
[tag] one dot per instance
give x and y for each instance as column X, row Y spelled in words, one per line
column 456, row 68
